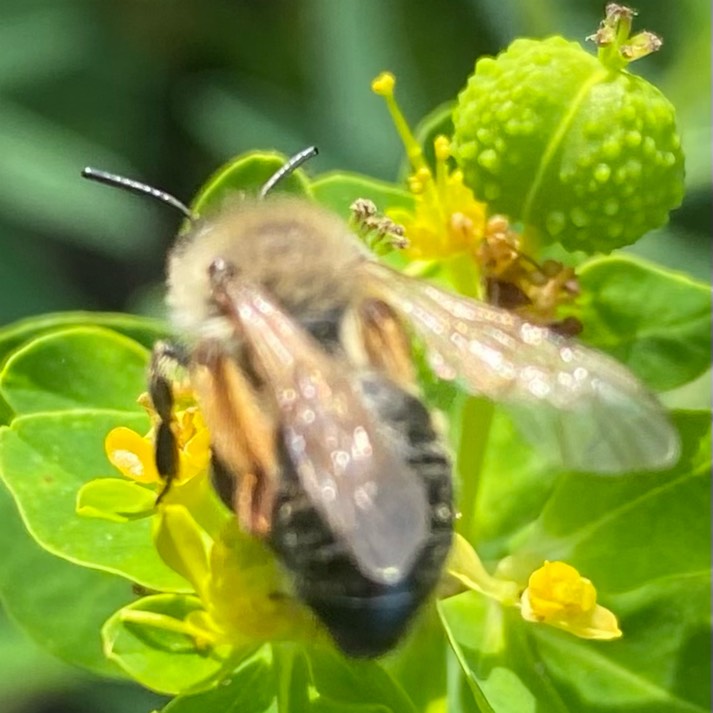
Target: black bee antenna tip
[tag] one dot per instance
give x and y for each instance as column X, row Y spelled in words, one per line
column 129, row 184
column 292, row 163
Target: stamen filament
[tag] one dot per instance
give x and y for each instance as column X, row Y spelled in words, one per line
column 384, row 85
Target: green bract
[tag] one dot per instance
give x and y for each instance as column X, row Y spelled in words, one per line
column 243, row 176
column 587, row 154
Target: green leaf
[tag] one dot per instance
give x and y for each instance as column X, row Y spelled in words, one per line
column 420, row 664
column 82, row 367
column 146, row 640
column 504, row 676
column 339, row 189
column 248, row 689
column 352, row 684
column 46, row 608
column 77, row 384
column 623, row 532
column 143, row 330
column 43, row 594
column 696, row 395
column 644, row 542
column 115, row 500
column 183, row 545
column 662, row 663
column 655, row 321
column 246, row 174
column 45, row 459
column 140, row 329
column 317, row 679
column 28, row 668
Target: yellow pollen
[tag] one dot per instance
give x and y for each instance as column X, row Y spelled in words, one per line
column 415, row 186
column 461, row 224
column 384, row 84
column 423, row 175
column 443, row 148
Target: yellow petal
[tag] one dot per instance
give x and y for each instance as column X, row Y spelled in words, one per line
column 132, row 454
column 247, row 596
column 557, row 588
column 464, row 570
column 195, row 455
column 559, row 596
column 599, row 624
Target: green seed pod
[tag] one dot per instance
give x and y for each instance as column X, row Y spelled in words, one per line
column 569, row 143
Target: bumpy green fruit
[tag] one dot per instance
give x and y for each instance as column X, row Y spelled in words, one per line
column 588, row 154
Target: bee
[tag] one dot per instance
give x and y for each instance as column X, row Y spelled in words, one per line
column 298, row 346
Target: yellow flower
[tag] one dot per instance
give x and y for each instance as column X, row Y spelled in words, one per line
column 447, row 219
column 556, row 594
column 237, row 579
column 246, row 595
column 559, row 596
column 133, row 454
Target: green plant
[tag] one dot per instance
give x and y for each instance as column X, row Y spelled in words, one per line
column 202, row 617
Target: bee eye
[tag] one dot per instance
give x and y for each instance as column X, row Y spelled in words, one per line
column 221, row 271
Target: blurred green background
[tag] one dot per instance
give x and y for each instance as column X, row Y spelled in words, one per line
column 167, row 90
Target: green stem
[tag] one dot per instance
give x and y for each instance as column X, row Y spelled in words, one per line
column 284, row 659
column 476, row 421
column 166, row 623
column 477, row 413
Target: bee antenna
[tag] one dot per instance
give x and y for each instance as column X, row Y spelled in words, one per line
column 289, row 167
column 129, row 184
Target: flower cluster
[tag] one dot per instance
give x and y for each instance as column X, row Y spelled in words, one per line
column 447, row 217
column 448, row 220
column 241, row 598
column 556, row 594
column 133, row 454
column 559, row 596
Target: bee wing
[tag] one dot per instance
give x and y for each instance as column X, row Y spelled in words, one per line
column 583, row 406
column 356, row 480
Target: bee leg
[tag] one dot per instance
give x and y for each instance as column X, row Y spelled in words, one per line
column 253, row 503
column 223, row 480
column 228, row 389
column 248, row 495
column 385, row 341
column 166, row 359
